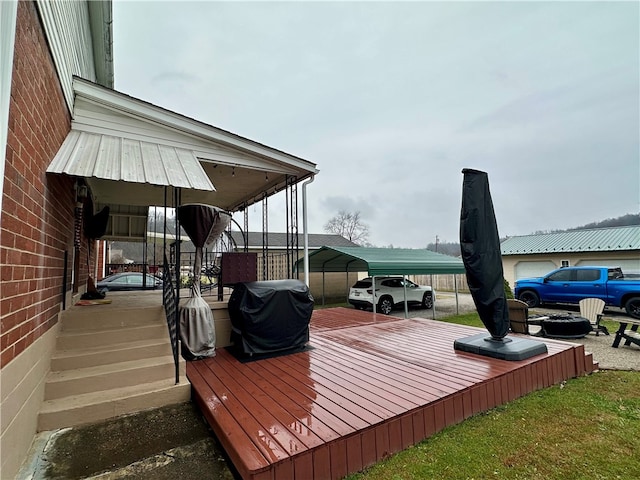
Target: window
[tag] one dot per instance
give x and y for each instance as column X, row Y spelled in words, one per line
column 564, row 263
column 615, row 273
column 562, row 276
column 587, row 275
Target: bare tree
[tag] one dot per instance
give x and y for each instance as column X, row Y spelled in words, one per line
column 350, row 226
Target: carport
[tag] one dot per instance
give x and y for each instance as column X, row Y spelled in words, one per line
column 381, row 261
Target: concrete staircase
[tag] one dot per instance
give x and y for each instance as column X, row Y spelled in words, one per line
column 111, row 360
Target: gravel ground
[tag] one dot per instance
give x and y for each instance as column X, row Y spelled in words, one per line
column 608, row 358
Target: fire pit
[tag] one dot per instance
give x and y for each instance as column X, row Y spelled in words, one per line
column 564, row 326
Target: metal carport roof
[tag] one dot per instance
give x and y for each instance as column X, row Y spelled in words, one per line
column 382, row 261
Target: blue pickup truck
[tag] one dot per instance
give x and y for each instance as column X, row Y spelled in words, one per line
column 572, row 284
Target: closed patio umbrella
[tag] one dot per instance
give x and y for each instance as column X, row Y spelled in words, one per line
column 482, row 258
column 480, row 245
column 203, row 224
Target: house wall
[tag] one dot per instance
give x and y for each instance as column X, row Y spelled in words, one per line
column 7, row 30
column 510, row 262
column 66, row 26
column 36, row 229
column 21, row 396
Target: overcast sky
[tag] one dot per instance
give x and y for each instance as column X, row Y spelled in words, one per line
column 391, row 100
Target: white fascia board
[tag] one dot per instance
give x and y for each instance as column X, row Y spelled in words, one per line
column 206, row 151
column 140, row 108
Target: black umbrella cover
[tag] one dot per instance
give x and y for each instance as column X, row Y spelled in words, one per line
column 480, row 246
column 203, row 224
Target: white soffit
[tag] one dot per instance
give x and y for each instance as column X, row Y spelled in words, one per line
column 106, row 157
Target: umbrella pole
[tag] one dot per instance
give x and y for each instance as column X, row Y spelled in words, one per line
column 197, row 269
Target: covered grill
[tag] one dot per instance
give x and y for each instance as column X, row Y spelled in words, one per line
column 270, row 316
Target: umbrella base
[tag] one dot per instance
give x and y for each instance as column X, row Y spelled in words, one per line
column 511, row 348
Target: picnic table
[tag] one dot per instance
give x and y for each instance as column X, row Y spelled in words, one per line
column 628, row 330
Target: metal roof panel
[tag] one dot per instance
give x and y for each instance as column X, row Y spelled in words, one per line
column 592, row 240
column 382, row 261
column 106, row 157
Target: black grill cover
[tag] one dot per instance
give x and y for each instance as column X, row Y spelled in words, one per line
column 270, row 316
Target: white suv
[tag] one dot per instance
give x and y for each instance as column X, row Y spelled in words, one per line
column 390, row 293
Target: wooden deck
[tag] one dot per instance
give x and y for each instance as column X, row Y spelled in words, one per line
column 371, row 386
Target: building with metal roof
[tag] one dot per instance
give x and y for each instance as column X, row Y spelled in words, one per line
column 535, row 255
column 278, row 240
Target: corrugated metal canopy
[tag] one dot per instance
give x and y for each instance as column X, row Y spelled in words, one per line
column 129, row 150
column 106, row 157
column 382, row 261
column 133, row 155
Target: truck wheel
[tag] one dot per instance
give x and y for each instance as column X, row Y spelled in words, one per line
column 530, row 297
column 385, row 305
column 427, row 301
column 633, row 307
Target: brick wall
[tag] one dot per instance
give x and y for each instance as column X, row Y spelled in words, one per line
column 37, row 217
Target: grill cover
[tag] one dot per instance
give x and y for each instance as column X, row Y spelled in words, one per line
column 270, row 316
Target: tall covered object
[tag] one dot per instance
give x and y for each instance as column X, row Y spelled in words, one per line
column 480, row 248
column 203, row 224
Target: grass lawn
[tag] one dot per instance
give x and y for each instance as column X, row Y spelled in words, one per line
column 586, row 428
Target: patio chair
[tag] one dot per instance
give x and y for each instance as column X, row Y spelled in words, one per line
column 518, row 316
column 592, row 309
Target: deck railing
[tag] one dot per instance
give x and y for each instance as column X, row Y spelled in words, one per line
column 170, row 302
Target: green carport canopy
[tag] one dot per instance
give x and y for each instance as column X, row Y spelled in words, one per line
column 381, row 261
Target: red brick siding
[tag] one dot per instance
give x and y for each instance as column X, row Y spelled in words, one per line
column 37, row 209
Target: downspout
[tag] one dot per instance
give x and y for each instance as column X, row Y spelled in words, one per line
column 304, row 228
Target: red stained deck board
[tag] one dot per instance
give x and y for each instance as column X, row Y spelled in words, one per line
column 357, row 381
column 370, row 386
column 310, row 430
column 351, row 397
column 379, row 378
column 323, row 400
column 438, row 384
column 245, row 455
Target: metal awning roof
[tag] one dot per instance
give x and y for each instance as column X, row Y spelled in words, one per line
column 382, row 261
column 129, row 150
column 105, row 157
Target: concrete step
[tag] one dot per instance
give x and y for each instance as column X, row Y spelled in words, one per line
column 83, row 319
column 101, row 405
column 96, row 338
column 112, row 376
column 106, row 354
